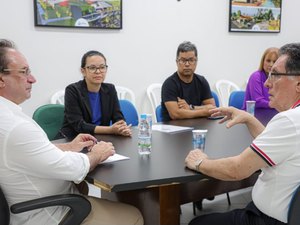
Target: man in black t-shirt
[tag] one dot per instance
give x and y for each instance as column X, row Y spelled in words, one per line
column 186, row 94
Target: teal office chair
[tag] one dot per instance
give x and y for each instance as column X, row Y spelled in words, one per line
column 216, row 98
column 79, row 206
column 50, row 118
column 236, row 99
column 129, row 112
column 158, row 114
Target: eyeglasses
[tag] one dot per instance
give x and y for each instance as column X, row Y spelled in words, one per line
column 93, row 69
column 26, row 72
column 183, row 61
column 274, row 75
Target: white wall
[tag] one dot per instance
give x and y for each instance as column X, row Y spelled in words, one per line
column 143, row 52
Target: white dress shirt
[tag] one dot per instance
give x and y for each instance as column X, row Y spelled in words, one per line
column 32, row 167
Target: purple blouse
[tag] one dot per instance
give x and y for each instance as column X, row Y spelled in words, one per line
column 258, row 92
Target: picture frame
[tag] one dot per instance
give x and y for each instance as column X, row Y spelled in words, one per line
column 96, row 14
column 256, row 16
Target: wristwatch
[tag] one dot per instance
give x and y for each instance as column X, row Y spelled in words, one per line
column 198, row 163
column 192, row 107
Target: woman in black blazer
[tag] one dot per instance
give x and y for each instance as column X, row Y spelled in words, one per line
column 92, row 106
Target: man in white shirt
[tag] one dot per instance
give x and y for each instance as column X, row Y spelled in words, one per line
column 274, row 150
column 32, row 167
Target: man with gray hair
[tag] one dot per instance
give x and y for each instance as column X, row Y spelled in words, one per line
column 274, row 150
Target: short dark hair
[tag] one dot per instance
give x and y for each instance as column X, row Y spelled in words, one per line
column 89, row 54
column 186, row 46
column 292, row 50
column 4, row 46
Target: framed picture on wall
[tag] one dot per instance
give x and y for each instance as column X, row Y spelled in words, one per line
column 260, row 16
column 98, row 14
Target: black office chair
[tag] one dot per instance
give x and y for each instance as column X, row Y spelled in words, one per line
column 79, row 206
column 293, row 213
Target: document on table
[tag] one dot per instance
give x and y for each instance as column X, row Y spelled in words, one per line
column 170, row 128
column 115, row 157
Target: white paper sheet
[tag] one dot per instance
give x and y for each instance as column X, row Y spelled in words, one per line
column 170, row 128
column 115, row 157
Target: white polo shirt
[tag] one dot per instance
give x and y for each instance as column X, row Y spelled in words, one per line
column 279, row 146
column 32, row 167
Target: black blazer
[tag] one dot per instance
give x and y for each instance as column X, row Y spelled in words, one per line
column 78, row 114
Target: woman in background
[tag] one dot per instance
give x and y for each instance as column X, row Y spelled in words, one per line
column 256, row 90
column 91, row 105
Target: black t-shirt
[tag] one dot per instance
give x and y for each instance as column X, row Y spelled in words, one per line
column 193, row 93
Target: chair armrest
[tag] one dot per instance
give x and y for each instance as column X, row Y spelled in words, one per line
column 79, row 206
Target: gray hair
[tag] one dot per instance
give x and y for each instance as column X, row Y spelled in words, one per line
column 187, row 46
column 4, row 46
column 292, row 51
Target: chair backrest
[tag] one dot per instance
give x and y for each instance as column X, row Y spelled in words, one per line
column 4, row 209
column 236, row 99
column 216, row 98
column 224, row 88
column 293, row 213
column 129, row 111
column 125, row 93
column 50, row 118
column 158, row 114
column 154, row 96
column 58, row 97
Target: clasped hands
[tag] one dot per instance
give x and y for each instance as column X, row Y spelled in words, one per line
column 120, row 127
column 102, row 149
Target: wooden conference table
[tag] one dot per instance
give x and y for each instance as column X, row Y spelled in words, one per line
column 159, row 183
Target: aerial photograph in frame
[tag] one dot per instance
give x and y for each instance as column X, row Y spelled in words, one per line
column 255, row 16
column 79, row 13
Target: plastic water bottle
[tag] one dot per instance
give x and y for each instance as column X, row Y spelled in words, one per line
column 144, row 135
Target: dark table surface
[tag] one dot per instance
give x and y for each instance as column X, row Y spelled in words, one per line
column 165, row 164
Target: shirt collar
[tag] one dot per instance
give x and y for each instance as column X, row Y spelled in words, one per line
column 11, row 105
column 296, row 104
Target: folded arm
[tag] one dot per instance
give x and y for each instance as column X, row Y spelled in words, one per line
column 181, row 110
